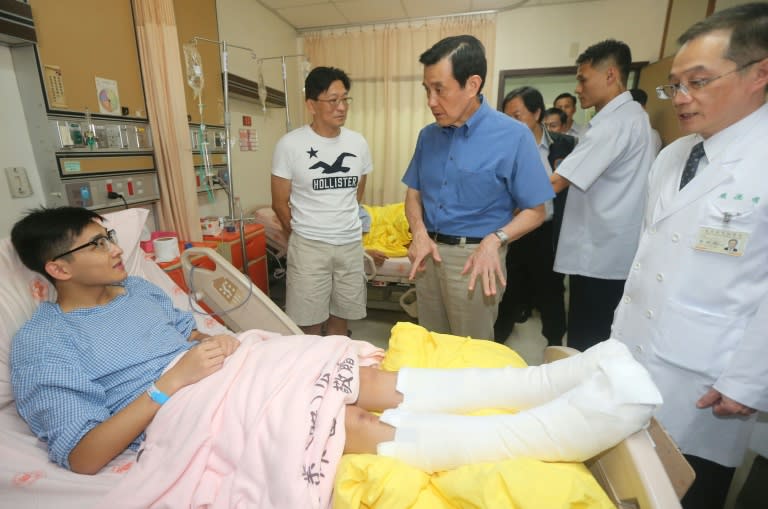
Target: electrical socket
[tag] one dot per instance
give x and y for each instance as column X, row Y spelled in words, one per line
column 18, row 182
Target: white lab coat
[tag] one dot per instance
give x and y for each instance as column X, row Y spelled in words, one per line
column 698, row 319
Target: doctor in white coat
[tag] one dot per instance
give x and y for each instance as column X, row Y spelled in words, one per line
column 695, row 305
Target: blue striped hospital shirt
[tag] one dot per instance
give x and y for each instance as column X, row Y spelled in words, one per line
column 71, row 371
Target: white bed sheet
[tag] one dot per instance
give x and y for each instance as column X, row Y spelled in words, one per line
column 28, row 479
column 398, row 267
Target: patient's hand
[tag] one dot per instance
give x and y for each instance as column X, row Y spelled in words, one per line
column 227, row 342
column 378, row 257
column 201, row 360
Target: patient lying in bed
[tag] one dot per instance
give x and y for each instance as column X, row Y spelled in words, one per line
column 113, row 358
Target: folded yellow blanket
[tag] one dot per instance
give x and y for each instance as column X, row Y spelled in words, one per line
column 369, row 481
column 389, row 232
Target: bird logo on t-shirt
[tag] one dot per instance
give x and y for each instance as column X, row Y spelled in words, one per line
column 336, row 167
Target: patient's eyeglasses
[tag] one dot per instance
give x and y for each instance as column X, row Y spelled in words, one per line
column 102, row 243
column 670, row 91
column 336, row 102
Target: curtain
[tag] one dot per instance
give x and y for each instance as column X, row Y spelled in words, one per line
column 389, row 105
column 164, row 88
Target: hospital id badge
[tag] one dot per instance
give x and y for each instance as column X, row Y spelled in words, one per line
column 720, row 241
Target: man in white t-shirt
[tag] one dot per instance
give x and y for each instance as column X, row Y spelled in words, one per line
column 607, row 174
column 318, row 179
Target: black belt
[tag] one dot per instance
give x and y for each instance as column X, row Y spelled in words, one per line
column 453, row 240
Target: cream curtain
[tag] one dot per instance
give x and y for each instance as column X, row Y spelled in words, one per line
column 389, row 105
column 167, row 110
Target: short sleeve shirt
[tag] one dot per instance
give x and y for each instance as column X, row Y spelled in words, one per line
column 324, row 174
column 472, row 178
column 608, row 172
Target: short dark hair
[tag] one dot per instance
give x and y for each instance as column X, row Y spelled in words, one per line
column 320, row 78
column 557, row 111
column 566, row 95
column 639, row 95
column 45, row 232
column 608, row 51
column 748, row 24
column 531, row 97
column 467, row 57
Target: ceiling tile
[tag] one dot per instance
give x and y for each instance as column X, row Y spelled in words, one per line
column 367, row 11
column 422, row 9
column 282, row 4
column 317, row 15
column 484, row 5
column 303, row 14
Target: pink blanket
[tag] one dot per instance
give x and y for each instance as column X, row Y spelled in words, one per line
column 266, row 431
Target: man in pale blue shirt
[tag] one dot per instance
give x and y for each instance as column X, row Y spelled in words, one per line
column 471, row 170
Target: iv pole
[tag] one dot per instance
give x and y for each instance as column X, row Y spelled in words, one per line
column 224, row 57
column 282, row 58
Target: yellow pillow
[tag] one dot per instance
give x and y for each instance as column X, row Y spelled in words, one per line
column 365, row 480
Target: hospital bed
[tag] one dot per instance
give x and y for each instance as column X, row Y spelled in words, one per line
column 644, row 471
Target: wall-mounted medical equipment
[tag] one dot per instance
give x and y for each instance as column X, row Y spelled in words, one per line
column 83, row 100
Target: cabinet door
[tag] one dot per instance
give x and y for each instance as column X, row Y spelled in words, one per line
column 88, row 57
column 257, row 272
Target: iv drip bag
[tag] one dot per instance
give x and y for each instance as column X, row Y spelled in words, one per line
column 262, row 87
column 194, row 67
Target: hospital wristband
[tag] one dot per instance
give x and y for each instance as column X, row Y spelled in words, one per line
column 157, row 395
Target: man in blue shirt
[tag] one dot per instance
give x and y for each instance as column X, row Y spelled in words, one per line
column 471, row 171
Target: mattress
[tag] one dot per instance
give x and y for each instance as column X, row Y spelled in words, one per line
column 31, row 481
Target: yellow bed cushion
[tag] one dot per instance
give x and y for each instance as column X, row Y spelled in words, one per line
column 364, row 480
column 389, row 232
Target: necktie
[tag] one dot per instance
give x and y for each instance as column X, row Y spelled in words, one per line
column 692, row 164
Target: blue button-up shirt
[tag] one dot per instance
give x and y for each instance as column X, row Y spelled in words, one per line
column 472, row 178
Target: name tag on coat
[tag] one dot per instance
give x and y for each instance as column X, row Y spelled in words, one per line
column 721, row 241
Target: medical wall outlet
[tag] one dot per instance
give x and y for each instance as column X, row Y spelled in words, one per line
column 18, row 182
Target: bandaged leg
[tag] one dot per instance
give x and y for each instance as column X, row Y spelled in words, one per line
column 465, row 390
column 617, row 400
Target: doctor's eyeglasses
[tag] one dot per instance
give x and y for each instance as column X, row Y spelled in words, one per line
column 102, row 243
column 670, row 91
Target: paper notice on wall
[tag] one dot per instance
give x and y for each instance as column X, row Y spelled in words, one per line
column 54, row 83
column 249, row 140
column 108, row 96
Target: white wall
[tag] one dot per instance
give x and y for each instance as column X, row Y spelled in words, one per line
column 554, row 35
column 15, row 147
column 531, row 37
column 246, row 23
